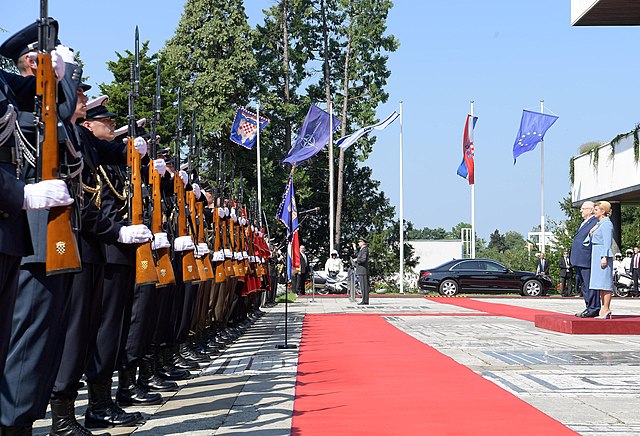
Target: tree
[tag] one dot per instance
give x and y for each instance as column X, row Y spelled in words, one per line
column 497, row 242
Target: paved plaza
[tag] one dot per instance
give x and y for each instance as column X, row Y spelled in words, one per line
column 590, row 383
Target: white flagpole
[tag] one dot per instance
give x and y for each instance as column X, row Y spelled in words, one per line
column 542, row 235
column 258, row 163
column 401, row 211
column 473, row 196
column 331, row 204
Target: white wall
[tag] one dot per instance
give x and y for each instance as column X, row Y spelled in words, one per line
column 433, row 253
column 609, row 175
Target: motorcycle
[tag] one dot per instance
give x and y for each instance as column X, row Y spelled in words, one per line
column 623, row 284
column 333, row 283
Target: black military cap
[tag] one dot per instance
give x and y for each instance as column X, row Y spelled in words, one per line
column 170, row 161
column 99, row 112
column 363, row 240
column 24, row 41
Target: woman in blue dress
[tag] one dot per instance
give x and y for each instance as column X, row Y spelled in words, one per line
column 602, row 257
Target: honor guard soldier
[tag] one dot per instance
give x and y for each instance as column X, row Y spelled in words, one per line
column 40, row 312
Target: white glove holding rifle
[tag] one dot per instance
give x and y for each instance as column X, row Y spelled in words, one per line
column 134, row 234
column 183, row 243
column 140, row 145
column 161, row 166
column 160, row 240
column 46, row 194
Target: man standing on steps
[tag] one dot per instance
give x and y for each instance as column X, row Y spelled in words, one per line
column 361, row 263
column 581, row 260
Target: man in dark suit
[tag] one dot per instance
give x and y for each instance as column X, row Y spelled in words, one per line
column 565, row 274
column 542, row 265
column 361, row 263
column 304, row 270
column 581, row 260
column 635, row 269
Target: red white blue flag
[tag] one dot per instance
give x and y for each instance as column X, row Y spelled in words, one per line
column 288, row 214
column 466, row 168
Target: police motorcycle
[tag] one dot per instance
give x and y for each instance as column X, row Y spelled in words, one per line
column 333, row 281
column 622, row 284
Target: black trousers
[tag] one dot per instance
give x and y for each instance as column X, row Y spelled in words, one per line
column 363, row 279
column 38, row 330
column 85, row 313
column 566, row 285
column 162, row 331
column 118, row 291
column 635, row 275
column 140, row 312
column 9, row 273
column 188, row 308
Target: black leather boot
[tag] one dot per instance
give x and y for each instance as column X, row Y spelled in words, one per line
column 149, row 380
column 166, row 370
column 63, row 418
column 191, row 355
column 130, row 394
column 104, row 412
column 178, row 360
column 15, row 431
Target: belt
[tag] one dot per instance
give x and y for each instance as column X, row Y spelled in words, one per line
column 7, row 155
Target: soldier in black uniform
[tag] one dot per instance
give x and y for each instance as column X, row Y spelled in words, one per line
column 98, row 229
column 40, row 312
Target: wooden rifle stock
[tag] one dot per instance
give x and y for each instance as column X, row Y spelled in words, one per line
column 189, row 267
column 62, row 254
column 233, row 239
column 203, row 262
column 164, row 268
column 228, row 263
column 220, row 273
column 145, row 265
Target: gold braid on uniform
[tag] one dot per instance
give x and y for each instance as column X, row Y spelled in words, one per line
column 119, row 196
column 95, row 192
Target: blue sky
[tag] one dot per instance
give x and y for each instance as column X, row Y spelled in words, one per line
column 506, row 55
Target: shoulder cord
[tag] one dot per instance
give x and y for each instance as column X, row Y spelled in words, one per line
column 120, row 196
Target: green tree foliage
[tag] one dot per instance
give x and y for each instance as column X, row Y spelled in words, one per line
column 384, row 249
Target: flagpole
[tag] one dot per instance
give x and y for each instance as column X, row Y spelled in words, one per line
column 331, row 204
column 401, row 210
column 542, row 235
column 258, row 163
column 473, row 199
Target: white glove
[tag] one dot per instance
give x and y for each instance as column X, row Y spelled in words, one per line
column 183, row 243
column 161, row 166
column 234, row 217
column 160, row 240
column 221, row 212
column 184, row 177
column 196, row 190
column 226, row 211
column 202, row 250
column 140, row 145
column 58, row 65
column 134, row 234
column 46, row 194
column 66, row 54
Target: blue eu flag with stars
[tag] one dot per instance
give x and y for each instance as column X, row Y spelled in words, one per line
column 533, row 126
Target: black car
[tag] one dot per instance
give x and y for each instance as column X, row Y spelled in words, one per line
column 471, row 275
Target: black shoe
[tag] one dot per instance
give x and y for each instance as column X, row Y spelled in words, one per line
column 13, row 430
column 362, row 303
column 582, row 314
column 63, row 418
column 592, row 314
column 130, row 394
column 149, row 380
column 103, row 412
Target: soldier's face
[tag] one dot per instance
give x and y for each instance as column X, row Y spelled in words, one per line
column 81, row 104
column 103, row 128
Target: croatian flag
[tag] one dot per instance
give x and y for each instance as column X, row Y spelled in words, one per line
column 245, row 128
column 466, row 168
column 288, row 214
column 346, row 141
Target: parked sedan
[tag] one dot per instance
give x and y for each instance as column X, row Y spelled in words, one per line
column 471, row 275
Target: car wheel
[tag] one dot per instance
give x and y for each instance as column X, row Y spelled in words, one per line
column 448, row 288
column 532, row 288
column 322, row 291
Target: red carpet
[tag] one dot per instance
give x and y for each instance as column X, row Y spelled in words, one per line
column 523, row 313
column 360, row 375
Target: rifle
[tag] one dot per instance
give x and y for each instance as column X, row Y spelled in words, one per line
column 62, row 254
column 220, row 273
column 145, row 265
column 196, row 208
column 226, row 240
column 189, row 267
column 164, row 268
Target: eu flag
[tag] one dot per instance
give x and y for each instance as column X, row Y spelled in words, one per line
column 533, row 126
column 244, row 128
column 313, row 136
